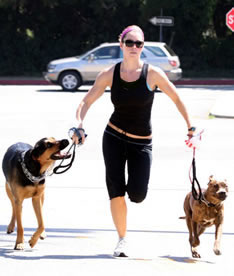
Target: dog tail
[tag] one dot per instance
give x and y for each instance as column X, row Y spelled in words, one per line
column 184, row 217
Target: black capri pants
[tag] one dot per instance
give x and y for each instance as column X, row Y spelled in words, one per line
column 120, row 150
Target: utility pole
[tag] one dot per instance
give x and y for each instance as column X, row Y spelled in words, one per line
column 161, row 27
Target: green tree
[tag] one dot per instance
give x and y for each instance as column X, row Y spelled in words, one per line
column 34, row 32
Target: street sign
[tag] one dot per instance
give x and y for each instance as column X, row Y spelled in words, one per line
column 230, row 19
column 162, row 20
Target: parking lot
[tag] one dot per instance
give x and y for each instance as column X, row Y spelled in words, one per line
column 80, row 233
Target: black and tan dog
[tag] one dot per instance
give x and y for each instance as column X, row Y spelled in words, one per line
column 25, row 168
column 200, row 215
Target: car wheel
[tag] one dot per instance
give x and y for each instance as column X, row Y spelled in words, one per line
column 70, row 81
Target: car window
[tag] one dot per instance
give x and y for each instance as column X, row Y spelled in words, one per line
column 156, row 51
column 106, row 53
column 172, row 53
column 121, row 54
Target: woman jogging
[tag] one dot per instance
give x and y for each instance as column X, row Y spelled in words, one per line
column 127, row 139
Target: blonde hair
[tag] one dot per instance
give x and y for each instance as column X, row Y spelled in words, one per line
column 129, row 29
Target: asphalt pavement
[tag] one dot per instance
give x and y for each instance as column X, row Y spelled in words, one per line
column 222, row 108
column 80, row 232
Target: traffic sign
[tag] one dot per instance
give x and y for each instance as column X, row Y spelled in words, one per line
column 162, row 20
column 230, row 19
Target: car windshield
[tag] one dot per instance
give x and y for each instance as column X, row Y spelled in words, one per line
column 108, row 52
column 84, row 54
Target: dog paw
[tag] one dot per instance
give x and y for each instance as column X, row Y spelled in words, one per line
column 196, row 254
column 32, row 242
column 217, row 252
column 19, row 246
column 43, row 235
column 10, row 229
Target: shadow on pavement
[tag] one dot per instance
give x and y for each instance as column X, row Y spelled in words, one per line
column 64, row 231
column 60, row 91
column 185, row 260
column 8, row 254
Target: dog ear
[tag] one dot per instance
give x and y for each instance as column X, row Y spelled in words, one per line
column 211, row 178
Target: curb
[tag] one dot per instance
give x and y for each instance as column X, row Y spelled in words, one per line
column 205, row 82
column 223, row 107
column 24, row 82
column 41, row 81
column 221, row 116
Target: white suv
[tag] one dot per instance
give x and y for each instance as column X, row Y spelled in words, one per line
column 71, row 73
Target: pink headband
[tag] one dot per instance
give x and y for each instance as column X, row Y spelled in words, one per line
column 129, row 29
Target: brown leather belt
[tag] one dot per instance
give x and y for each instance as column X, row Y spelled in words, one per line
column 128, row 134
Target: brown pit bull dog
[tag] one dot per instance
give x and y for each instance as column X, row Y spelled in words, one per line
column 200, row 215
column 25, row 169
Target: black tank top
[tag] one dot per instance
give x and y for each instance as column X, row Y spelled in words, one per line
column 132, row 103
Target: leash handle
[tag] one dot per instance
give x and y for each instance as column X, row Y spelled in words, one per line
column 76, row 131
column 194, row 141
column 71, row 132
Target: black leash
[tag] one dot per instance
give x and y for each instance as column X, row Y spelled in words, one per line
column 68, row 166
column 197, row 193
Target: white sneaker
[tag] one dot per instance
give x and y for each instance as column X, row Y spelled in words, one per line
column 120, row 250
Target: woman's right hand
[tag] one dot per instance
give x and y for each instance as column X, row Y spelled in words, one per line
column 78, row 136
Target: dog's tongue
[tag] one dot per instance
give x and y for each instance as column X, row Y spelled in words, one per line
column 62, row 154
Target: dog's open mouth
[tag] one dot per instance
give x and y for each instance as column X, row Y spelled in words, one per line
column 60, row 155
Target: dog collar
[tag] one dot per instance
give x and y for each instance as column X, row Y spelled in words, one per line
column 208, row 203
column 27, row 173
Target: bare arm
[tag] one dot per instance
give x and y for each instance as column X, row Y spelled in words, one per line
column 103, row 80
column 158, row 77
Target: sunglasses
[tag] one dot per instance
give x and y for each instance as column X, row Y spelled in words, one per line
column 130, row 43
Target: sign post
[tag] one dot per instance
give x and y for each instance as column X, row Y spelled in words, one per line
column 230, row 19
column 167, row 21
column 162, row 20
